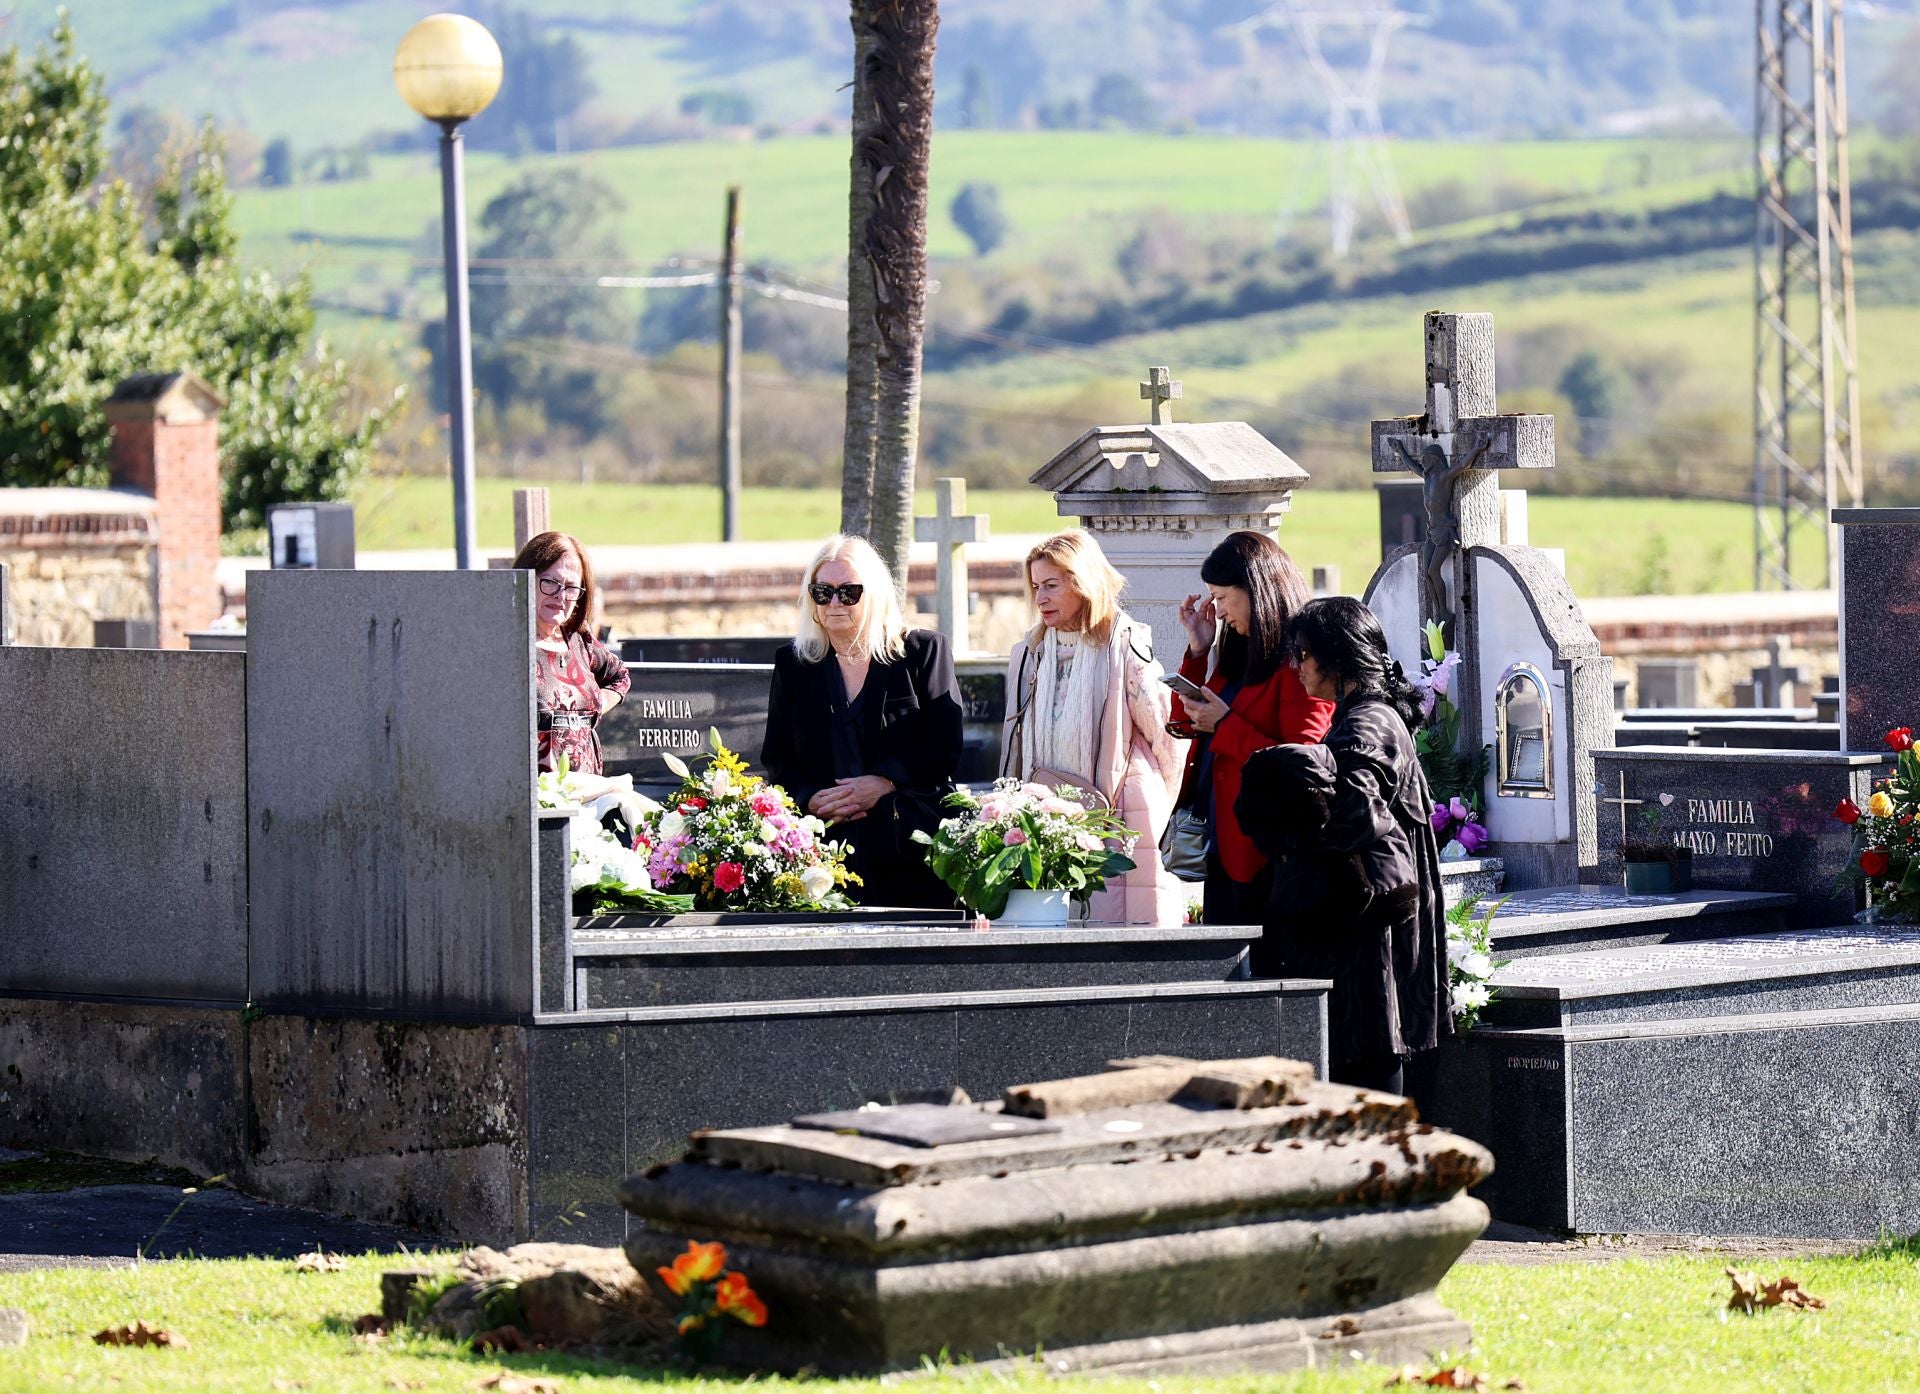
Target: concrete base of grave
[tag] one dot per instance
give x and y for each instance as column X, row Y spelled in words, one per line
column 1152, row 1237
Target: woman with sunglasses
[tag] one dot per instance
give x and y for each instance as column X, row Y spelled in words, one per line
column 1086, row 707
column 1251, row 698
column 864, row 724
column 577, row 679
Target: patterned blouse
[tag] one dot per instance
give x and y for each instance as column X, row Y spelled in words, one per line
column 568, row 687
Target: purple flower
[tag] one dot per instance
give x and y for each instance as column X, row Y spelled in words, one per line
column 1471, row 837
column 1442, row 815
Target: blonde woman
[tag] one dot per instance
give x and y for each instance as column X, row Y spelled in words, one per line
column 1085, row 704
column 864, row 723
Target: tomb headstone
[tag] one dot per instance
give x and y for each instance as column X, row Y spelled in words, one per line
column 310, row 536
column 126, row 634
column 1158, row 497
column 1774, row 685
column 669, row 709
column 532, row 514
column 1326, row 580
column 1403, row 519
column 1879, row 623
column 1665, row 683
column 983, row 701
column 689, row 648
column 949, row 530
column 1755, row 821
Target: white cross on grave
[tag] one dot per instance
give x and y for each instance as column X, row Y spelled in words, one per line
column 1456, row 447
column 1623, row 801
column 1162, row 390
column 950, row 530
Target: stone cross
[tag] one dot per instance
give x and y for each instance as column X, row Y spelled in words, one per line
column 532, row 513
column 1777, row 685
column 1161, row 390
column 950, row 529
column 1456, row 447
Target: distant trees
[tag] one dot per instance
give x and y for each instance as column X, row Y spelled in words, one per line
column 718, row 106
column 545, row 83
column 276, row 163
column 91, row 293
column 976, row 212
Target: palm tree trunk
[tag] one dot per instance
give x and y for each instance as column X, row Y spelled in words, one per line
column 856, row 466
column 898, row 151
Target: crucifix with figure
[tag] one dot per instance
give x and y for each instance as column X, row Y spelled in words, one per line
column 1457, row 447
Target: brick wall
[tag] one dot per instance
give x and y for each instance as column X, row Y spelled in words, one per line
column 74, row 556
column 166, row 444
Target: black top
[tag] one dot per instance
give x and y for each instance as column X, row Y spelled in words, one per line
column 1356, row 891
column 908, row 719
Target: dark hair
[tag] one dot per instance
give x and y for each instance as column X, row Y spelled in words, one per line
column 544, row 549
column 1347, row 642
column 1259, row 566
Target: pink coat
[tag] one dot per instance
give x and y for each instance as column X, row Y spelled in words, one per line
column 1137, row 770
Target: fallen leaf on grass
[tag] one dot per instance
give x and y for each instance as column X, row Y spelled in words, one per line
column 288, row 1384
column 506, row 1382
column 1450, row 1377
column 320, row 1261
column 506, row 1340
column 1750, row 1295
column 400, row 1382
column 138, row 1334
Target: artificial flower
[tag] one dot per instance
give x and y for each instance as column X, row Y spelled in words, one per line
column 739, row 1301
column 1900, row 738
column 1875, row 862
column 1880, row 805
column 1847, row 811
column 701, row 1263
column 1472, row 837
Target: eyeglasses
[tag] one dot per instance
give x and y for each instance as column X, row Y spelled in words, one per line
column 849, row 594
column 555, row 587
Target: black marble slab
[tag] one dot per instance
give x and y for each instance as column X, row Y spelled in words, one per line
column 669, row 709
column 1562, row 919
column 1766, row 735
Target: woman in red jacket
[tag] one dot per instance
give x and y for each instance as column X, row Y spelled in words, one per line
column 1254, row 700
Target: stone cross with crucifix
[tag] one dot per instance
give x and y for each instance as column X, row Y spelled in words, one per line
column 1162, row 391
column 950, row 529
column 1456, row 447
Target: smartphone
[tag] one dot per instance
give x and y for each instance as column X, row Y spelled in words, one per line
column 1185, row 687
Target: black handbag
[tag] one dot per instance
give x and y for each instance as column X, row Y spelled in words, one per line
column 1183, row 845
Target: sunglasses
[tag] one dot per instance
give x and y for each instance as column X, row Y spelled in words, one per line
column 849, row 594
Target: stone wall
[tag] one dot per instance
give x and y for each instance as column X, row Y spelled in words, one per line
column 74, row 556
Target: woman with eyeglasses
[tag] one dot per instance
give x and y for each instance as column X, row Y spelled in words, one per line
column 1356, row 894
column 864, row 724
column 1086, row 707
column 577, row 678
column 1250, row 698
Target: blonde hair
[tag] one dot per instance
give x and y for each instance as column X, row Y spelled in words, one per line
column 1089, row 573
column 883, row 629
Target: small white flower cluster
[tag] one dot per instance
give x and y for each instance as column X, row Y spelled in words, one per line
column 599, row 859
column 1470, row 962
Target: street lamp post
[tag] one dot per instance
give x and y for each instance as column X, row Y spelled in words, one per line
column 447, row 67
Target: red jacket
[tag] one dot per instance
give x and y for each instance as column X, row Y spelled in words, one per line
column 1275, row 712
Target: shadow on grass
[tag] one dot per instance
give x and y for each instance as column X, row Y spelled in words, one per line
column 638, row 1366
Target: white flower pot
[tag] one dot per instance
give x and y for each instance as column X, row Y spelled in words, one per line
column 1035, row 910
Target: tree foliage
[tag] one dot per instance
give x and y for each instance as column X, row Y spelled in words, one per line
column 92, row 293
column 976, row 211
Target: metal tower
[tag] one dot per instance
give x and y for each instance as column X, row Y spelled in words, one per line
column 1806, row 389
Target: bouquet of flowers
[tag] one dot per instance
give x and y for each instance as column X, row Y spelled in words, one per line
column 1026, row 836
column 1886, row 839
column 734, row 842
column 1454, row 779
column 607, row 875
column 1470, row 961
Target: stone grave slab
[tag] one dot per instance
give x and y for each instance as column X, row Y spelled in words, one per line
column 1272, row 1237
column 1559, row 919
column 1756, row 820
column 1768, row 735
column 670, row 708
column 691, row 648
column 1696, row 715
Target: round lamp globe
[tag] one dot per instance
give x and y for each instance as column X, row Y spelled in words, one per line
column 447, row 67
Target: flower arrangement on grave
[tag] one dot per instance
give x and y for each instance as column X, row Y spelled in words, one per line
column 607, row 874
column 732, row 841
column 1886, row 837
column 1454, row 779
column 1026, row 837
column 709, row 1294
column 1470, row 960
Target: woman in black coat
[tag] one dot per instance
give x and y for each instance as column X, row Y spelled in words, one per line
column 1357, row 895
column 864, row 724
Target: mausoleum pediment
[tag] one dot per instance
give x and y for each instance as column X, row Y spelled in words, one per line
column 1205, row 458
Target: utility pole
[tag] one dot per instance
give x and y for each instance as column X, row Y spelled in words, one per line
column 730, row 372
column 1806, row 386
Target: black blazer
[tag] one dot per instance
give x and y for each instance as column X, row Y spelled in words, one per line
column 912, row 728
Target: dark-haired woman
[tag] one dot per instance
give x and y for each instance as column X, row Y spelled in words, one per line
column 577, row 679
column 1358, row 899
column 1254, row 700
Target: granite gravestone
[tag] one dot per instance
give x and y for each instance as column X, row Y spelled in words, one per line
column 688, row 648
column 670, row 708
column 1755, row 820
column 1272, row 1222
column 1879, row 623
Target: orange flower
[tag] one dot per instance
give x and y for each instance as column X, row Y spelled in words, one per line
column 701, row 1263
column 739, row 1301
column 689, row 1323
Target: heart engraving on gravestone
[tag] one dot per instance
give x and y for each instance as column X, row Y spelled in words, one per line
column 1666, row 801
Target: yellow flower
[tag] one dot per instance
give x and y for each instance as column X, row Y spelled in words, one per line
column 1880, row 806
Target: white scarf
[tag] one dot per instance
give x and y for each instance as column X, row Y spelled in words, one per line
column 1069, row 743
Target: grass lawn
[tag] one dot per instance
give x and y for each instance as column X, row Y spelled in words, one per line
column 1615, row 546
column 1605, row 1327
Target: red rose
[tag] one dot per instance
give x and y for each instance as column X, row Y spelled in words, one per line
column 731, row 876
column 1848, row 811
column 1874, row 862
column 1900, row 738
